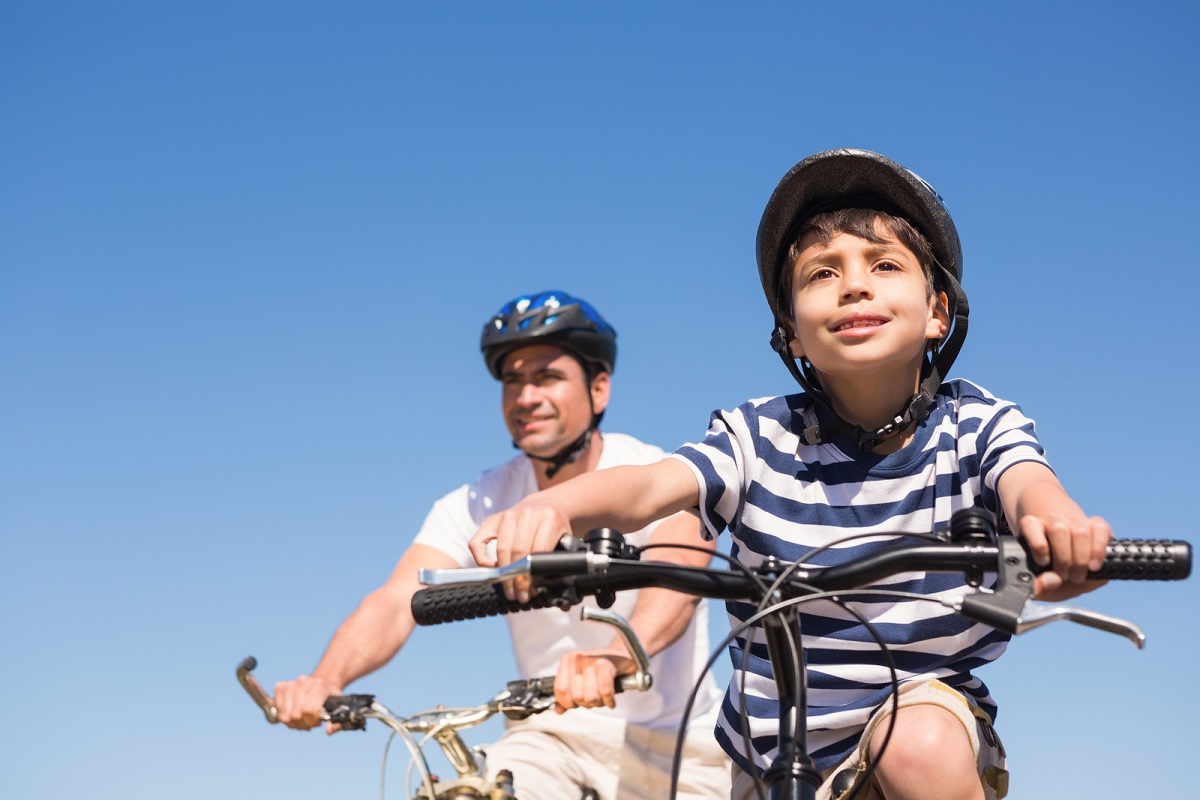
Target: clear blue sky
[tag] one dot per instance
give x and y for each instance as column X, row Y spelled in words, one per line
column 246, row 250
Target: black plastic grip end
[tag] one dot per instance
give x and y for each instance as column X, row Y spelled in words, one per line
column 1146, row 560
column 439, row 604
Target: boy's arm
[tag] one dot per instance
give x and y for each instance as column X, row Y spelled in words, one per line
column 626, row 498
column 1056, row 529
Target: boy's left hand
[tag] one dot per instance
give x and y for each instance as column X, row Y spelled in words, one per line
column 1072, row 546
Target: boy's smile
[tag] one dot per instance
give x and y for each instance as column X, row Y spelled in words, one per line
column 863, row 314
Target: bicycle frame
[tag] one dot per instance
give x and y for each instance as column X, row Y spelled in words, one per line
column 519, row 699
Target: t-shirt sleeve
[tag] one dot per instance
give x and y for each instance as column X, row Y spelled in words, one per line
column 449, row 526
column 1007, row 438
column 718, row 465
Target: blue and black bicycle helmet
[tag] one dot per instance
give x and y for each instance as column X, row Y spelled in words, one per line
column 550, row 317
column 557, row 318
column 841, row 179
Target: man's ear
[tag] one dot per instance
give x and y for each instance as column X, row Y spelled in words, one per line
column 939, row 317
column 600, row 389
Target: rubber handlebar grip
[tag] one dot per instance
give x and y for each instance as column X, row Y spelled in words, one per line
column 1145, row 560
column 439, row 604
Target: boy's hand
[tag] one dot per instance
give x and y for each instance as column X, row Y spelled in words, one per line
column 1072, row 545
column 528, row 527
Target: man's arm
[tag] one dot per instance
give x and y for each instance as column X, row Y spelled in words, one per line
column 586, row 677
column 626, row 498
column 1056, row 529
column 368, row 639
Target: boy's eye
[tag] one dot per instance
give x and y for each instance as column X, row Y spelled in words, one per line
column 887, row 266
column 820, row 274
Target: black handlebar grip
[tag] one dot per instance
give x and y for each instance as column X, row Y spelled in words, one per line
column 1146, row 560
column 439, row 604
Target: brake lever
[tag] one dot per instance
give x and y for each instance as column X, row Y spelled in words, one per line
column 1011, row 607
column 1036, row 614
column 473, row 575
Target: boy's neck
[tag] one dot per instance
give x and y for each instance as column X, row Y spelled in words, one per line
column 872, row 400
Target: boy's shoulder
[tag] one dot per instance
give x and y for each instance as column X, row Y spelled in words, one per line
column 773, row 417
column 961, row 391
column 782, row 408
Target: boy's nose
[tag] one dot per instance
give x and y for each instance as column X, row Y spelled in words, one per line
column 856, row 283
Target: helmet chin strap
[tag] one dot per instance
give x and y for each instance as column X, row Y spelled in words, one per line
column 567, row 455
column 915, row 410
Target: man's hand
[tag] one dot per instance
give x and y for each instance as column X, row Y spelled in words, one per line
column 300, row 703
column 1073, row 545
column 587, row 679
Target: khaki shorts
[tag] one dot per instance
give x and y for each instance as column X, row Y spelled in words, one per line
column 552, row 757
column 989, row 752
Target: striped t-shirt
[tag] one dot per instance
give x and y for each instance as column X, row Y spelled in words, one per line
column 778, row 496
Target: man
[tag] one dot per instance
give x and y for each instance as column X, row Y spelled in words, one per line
column 554, row 355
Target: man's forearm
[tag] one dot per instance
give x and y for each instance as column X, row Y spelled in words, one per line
column 367, row 640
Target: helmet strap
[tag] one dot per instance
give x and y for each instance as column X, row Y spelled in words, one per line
column 568, row 455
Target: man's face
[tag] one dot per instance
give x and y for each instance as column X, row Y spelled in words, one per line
column 546, row 399
column 863, row 307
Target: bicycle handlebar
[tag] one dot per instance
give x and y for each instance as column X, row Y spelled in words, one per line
column 563, row 578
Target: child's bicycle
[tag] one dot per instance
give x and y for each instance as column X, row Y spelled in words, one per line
column 518, row 700
column 971, row 547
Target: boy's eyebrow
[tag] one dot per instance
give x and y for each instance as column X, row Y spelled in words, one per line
column 873, row 250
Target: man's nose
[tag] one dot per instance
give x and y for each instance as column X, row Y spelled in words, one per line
column 530, row 394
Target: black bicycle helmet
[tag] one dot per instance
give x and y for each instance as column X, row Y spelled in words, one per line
column 841, row 179
column 557, row 318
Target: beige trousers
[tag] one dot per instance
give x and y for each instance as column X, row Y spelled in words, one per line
column 553, row 757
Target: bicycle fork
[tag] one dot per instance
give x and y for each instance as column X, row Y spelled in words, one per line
column 793, row 774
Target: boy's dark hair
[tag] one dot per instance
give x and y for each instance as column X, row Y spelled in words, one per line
column 858, row 222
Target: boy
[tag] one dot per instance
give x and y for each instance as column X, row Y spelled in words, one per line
column 860, row 263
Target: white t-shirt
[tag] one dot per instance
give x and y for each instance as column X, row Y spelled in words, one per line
column 542, row 637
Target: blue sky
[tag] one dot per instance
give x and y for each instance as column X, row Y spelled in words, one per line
column 246, row 250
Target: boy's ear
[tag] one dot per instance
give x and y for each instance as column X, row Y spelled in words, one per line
column 794, row 346
column 939, row 317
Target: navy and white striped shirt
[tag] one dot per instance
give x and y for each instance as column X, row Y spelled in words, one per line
column 781, row 497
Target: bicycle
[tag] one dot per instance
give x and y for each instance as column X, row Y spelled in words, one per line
column 972, row 546
column 519, row 700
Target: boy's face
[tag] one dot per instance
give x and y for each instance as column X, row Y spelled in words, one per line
column 862, row 309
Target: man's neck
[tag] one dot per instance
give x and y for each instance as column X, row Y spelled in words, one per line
column 588, row 460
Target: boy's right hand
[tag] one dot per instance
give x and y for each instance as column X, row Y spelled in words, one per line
column 531, row 526
column 1072, row 546
column 299, row 704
